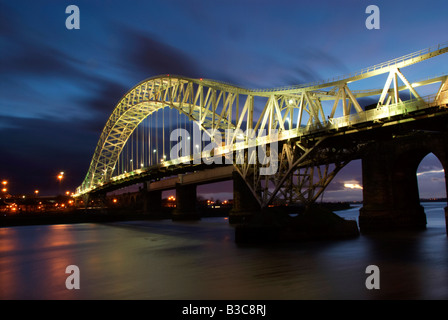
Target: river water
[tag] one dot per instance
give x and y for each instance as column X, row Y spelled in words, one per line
column 199, row 260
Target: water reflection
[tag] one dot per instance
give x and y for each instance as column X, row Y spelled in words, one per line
column 199, row 260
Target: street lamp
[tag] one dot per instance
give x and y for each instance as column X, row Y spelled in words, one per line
column 4, row 188
column 60, row 177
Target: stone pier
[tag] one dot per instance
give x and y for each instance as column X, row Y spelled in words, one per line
column 185, row 203
column 391, row 198
column 152, row 203
column 245, row 205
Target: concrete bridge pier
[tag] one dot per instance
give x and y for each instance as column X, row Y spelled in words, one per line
column 152, row 202
column 245, row 205
column 185, row 203
column 391, row 199
column 83, row 201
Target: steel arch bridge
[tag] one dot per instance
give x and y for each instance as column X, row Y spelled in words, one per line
column 295, row 119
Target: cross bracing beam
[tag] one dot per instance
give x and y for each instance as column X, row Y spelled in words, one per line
column 330, row 94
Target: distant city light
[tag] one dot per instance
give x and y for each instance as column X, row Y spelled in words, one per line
column 352, row 186
column 430, row 171
column 61, row 175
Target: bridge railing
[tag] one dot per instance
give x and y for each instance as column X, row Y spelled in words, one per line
column 382, row 113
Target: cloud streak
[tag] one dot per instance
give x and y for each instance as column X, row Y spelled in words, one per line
column 145, row 55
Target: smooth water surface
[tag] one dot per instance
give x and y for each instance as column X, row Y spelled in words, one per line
column 199, row 260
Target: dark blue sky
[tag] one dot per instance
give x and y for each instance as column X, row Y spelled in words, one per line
column 59, row 86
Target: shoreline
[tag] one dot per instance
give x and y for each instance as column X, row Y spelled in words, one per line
column 94, row 216
column 78, row 216
column 114, row 215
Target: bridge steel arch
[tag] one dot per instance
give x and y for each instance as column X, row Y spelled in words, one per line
column 192, row 97
column 296, row 113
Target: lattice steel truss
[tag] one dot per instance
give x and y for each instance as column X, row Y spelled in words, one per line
column 290, row 123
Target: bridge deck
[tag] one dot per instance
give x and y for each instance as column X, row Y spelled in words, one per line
column 187, row 171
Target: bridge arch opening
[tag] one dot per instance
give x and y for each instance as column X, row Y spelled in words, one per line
column 433, row 188
column 391, row 170
column 419, row 175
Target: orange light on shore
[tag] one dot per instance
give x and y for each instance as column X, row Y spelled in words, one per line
column 60, row 176
column 4, row 184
